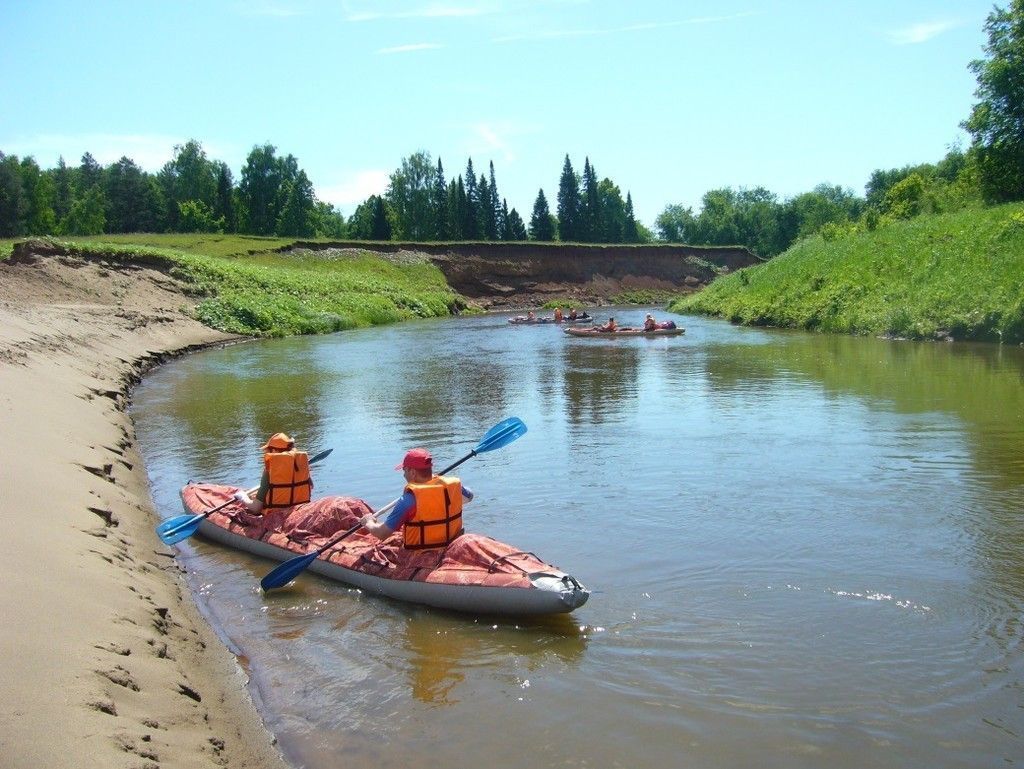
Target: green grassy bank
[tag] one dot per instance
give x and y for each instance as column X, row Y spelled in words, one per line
column 247, row 287
column 959, row 275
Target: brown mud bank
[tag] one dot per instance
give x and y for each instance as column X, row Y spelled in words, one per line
column 515, row 275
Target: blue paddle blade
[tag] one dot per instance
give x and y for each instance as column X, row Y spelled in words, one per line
column 183, row 530
column 173, row 523
column 501, row 434
column 287, row 571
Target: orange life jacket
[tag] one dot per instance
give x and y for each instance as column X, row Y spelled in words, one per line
column 438, row 516
column 288, row 474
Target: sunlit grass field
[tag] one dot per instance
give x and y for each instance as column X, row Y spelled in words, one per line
column 959, row 275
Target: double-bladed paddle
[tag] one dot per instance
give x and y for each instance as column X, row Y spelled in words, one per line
column 500, row 435
column 184, row 526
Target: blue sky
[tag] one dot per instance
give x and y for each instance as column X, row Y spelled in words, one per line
column 667, row 99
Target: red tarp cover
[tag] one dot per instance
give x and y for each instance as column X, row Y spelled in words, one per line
column 472, row 559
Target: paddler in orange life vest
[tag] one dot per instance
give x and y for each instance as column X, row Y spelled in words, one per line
column 429, row 511
column 285, row 481
column 558, row 315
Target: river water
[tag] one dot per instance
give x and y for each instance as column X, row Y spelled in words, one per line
column 804, row 550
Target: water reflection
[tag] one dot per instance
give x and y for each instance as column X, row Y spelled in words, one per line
column 601, row 379
column 251, row 392
column 979, row 384
column 443, row 648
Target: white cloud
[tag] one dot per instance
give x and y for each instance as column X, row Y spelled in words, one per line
column 919, row 33
column 640, row 27
column 417, row 11
column 349, row 193
column 488, row 139
column 409, row 48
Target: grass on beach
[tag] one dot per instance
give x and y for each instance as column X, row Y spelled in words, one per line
column 247, row 287
column 958, row 275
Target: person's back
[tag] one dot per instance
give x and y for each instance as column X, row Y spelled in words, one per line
column 436, row 518
column 286, row 479
column 429, row 512
column 650, row 324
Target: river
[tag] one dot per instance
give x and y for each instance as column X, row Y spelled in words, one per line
column 804, row 550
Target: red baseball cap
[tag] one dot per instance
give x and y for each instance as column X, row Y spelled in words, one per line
column 417, row 459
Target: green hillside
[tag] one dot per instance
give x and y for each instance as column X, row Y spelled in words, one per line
column 958, row 275
column 245, row 286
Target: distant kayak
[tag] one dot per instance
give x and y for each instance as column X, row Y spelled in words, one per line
column 474, row 573
column 524, row 320
column 594, row 332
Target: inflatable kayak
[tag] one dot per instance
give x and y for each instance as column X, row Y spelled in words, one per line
column 472, row 574
column 593, row 332
column 523, row 320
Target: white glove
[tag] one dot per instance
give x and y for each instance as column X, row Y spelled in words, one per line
column 242, row 497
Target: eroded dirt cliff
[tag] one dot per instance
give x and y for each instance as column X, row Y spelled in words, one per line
column 516, row 275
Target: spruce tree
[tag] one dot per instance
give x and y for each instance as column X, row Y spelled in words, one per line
column 495, row 205
column 569, row 208
column 439, row 202
column 630, row 234
column 471, row 217
column 488, row 221
column 542, row 227
column 515, row 228
column 380, row 226
column 591, row 224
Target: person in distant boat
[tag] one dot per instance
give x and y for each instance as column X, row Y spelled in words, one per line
column 558, row 315
column 572, row 313
column 429, row 511
column 609, row 326
column 285, row 481
column 650, row 324
column 530, row 315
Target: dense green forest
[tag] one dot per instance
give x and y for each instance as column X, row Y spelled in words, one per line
column 274, row 196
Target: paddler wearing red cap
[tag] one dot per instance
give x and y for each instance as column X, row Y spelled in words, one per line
column 429, row 511
column 285, row 481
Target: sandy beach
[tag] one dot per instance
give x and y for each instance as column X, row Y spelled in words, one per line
column 106, row 661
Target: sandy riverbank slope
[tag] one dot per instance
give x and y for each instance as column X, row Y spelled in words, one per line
column 104, row 660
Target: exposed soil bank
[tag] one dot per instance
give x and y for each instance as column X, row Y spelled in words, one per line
column 514, row 275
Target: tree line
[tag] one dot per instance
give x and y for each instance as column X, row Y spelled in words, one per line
column 422, row 204
column 191, row 193
column 274, row 196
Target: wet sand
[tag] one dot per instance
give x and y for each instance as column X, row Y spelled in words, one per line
column 105, row 661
